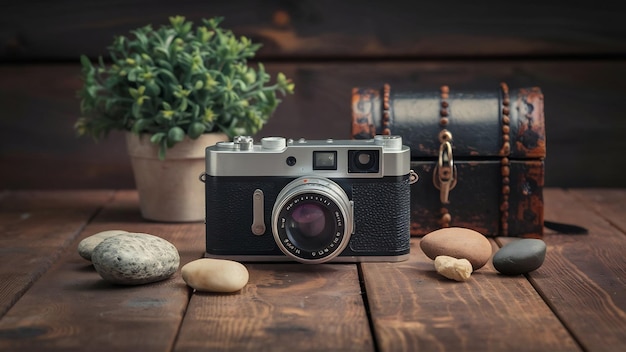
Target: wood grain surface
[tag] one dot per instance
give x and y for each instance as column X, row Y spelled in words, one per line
column 285, row 307
column 584, row 277
column 72, row 308
column 575, row 52
column 53, row 300
column 32, row 238
column 584, row 124
column 414, row 308
column 330, row 29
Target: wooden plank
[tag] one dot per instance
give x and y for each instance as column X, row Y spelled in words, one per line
column 414, row 308
column 609, row 204
column 72, row 308
column 284, row 307
column 320, row 109
column 33, row 238
column 583, row 277
column 352, row 28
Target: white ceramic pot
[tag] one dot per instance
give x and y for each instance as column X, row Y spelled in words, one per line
column 170, row 189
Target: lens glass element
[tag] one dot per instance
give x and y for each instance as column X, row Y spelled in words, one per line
column 310, row 226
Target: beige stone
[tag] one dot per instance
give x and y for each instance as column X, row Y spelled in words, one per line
column 453, row 268
column 215, row 275
column 458, row 242
column 86, row 246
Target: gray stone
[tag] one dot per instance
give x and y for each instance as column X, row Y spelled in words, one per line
column 135, row 258
column 86, row 246
column 520, row 257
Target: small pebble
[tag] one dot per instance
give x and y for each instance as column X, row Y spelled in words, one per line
column 86, row 246
column 458, row 242
column 215, row 275
column 452, row 268
column 520, row 257
column 135, row 258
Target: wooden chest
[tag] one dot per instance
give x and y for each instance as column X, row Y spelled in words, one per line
column 479, row 155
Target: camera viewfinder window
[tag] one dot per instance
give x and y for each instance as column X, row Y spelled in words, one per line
column 324, row 160
column 363, row 161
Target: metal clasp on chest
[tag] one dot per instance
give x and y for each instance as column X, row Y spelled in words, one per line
column 445, row 175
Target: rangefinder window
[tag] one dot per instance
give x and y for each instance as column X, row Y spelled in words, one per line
column 324, row 160
column 363, row 161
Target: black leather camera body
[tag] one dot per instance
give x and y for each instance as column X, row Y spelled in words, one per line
column 309, row 201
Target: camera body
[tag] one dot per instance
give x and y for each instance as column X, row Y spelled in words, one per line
column 311, row 201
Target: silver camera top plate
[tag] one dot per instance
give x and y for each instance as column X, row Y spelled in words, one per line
column 277, row 156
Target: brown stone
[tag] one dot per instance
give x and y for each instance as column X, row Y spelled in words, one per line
column 458, row 242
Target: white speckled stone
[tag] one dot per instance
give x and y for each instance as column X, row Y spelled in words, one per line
column 135, row 258
column 86, row 246
column 215, row 275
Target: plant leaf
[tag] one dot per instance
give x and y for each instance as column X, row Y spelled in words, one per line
column 196, row 129
column 175, row 134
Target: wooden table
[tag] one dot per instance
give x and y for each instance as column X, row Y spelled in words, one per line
column 52, row 299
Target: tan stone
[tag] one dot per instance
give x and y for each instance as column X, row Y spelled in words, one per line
column 453, row 268
column 215, row 275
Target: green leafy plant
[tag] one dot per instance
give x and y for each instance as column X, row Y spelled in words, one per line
column 175, row 81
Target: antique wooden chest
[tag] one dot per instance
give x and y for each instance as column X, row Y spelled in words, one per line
column 479, row 155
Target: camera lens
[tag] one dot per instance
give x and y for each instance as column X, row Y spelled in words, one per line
column 312, row 220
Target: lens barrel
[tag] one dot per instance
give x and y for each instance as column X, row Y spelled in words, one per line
column 312, row 219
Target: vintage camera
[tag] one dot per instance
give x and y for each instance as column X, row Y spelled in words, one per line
column 308, row 200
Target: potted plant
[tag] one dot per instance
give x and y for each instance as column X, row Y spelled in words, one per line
column 176, row 90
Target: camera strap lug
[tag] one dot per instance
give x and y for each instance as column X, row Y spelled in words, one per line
column 413, row 177
column 258, row 217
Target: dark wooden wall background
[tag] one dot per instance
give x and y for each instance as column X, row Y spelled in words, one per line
column 574, row 50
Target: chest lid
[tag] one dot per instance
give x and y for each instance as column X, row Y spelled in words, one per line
column 478, row 125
